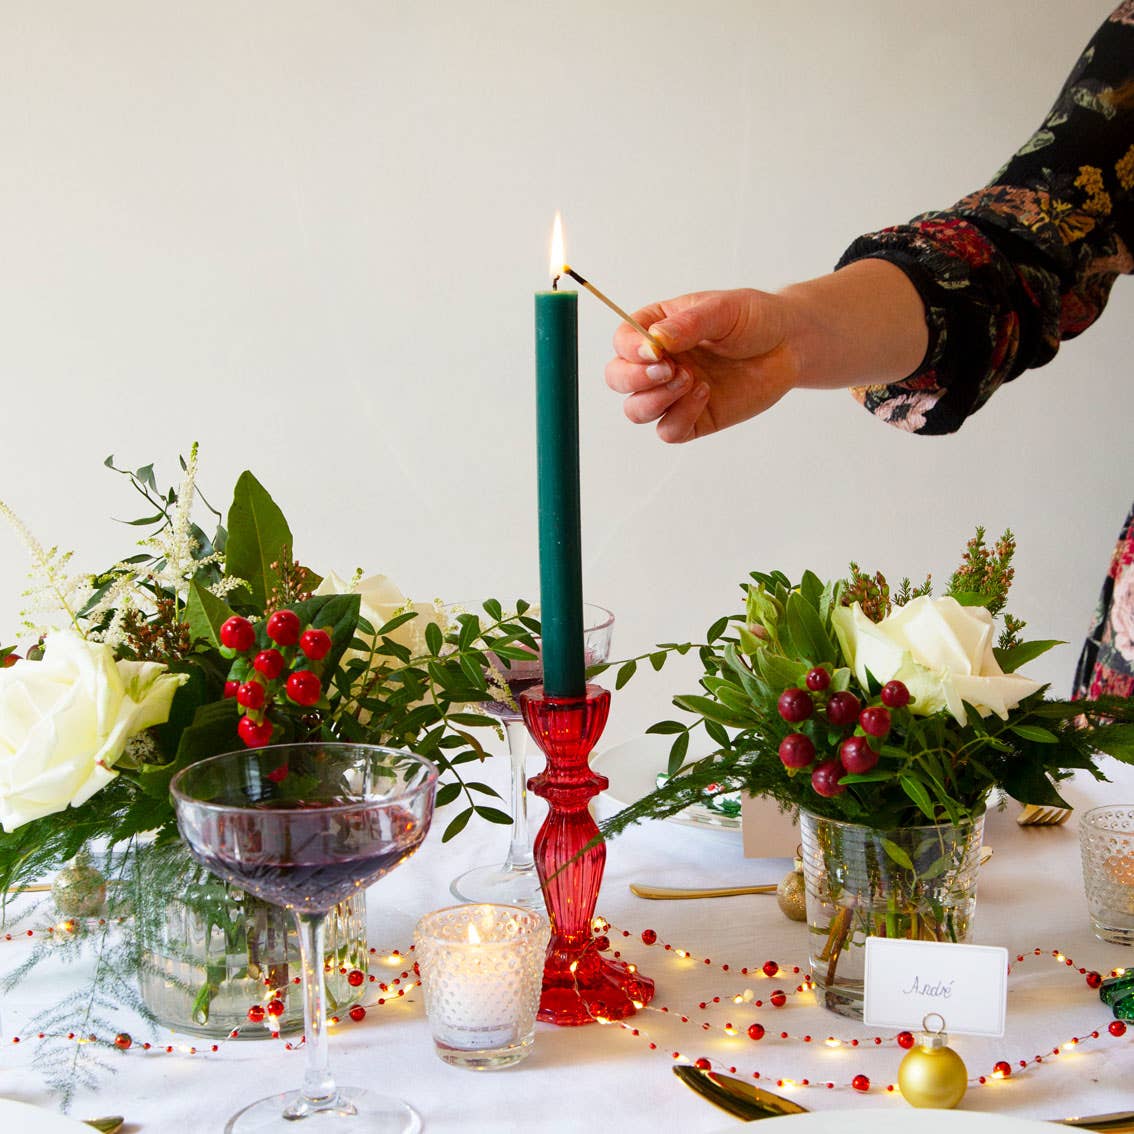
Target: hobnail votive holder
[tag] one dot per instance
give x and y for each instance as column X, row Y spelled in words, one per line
column 482, row 972
column 1106, row 837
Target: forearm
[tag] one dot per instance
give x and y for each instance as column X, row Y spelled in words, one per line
column 862, row 325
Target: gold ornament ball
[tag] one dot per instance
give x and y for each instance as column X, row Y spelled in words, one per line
column 79, row 890
column 933, row 1077
column 791, row 895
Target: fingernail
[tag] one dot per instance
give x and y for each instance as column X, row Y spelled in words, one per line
column 648, row 351
column 679, row 382
column 702, row 392
column 659, row 371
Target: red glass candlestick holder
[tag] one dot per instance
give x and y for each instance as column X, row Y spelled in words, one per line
column 580, row 985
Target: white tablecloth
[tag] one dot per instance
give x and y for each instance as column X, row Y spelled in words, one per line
column 595, row 1077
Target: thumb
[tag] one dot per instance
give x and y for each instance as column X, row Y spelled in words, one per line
column 713, row 318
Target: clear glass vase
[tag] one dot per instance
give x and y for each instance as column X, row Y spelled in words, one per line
column 915, row 883
column 207, row 952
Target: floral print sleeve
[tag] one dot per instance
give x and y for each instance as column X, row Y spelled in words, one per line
column 1013, row 269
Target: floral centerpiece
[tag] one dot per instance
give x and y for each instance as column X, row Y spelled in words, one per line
column 887, row 718
column 193, row 645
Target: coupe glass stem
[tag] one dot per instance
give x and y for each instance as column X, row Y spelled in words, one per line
column 520, row 856
column 318, row 1086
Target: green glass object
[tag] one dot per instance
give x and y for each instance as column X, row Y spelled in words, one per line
column 1124, row 1009
column 1117, row 988
column 557, row 441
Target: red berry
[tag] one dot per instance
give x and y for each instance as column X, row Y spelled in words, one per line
column 283, row 627
column 818, row 679
column 755, row 1031
column 238, row 634
column 796, row 750
column 303, row 687
column 230, row 688
column 1116, row 1028
column 256, row 1014
column 1002, row 1068
column 856, row 755
column 316, row 644
column 874, row 721
column 250, row 694
column 357, row 1013
column 795, row 705
column 268, row 663
column 255, row 734
column 895, row 695
column 860, row 1083
column 905, row 1040
column 825, row 779
column 843, row 709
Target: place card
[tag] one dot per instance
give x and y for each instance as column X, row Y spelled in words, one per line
column 967, row 985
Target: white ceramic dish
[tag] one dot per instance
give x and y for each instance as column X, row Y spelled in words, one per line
column 633, row 767
column 19, row 1117
column 899, row 1121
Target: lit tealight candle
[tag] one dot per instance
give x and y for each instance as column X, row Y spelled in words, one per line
column 482, row 973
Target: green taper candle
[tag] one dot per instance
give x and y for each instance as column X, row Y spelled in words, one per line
column 557, row 443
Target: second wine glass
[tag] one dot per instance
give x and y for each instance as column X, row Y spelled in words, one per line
column 515, row 881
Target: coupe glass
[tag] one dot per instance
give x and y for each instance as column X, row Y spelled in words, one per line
column 304, row 826
column 515, row 882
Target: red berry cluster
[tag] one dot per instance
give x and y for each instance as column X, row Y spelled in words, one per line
column 841, row 710
column 284, row 671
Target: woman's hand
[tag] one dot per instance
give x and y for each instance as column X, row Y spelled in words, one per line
column 729, row 355
column 727, row 358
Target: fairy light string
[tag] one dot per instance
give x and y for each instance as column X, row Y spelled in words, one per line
column 785, row 983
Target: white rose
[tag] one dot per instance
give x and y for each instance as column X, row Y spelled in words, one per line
column 65, row 721
column 380, row 600
column 940, row 649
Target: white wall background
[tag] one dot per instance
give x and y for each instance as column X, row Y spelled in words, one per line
column 306, row 235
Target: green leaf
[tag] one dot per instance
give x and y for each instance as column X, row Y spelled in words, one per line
column 258, row 536
column 895, row 852
column 493, row 609
column 446, row 793
column 657, row 659
column 457, row 825
column 494, row 815
column 1115, row 740
column 916, row 790
column 712, row 710
column 1035, row 733
column 666, row 728
column 717, row 734
column 625, row 673
column 677, row 753
column 434, row 639
column 807, row 632
column 1010, row 660
column 717, row 629
column 206, row 614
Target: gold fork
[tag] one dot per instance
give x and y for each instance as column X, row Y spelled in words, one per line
column 1036, row 815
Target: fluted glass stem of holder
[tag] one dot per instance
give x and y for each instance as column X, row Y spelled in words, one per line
column 580, row 986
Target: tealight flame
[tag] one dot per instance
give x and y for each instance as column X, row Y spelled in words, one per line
column 474, row 937
column 558, row 256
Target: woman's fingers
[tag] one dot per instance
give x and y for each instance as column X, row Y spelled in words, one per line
column 649, row 405
column 630, row 377
column 688, row 417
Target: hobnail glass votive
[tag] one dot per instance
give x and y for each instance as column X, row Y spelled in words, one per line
column 1106, row 836
column 482, row 974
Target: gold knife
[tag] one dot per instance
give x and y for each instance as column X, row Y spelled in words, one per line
column 743, row 1100
column 717, row 892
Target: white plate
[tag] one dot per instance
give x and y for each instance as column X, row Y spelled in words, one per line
column 900, row 1121
column 20, row 1116
column 633, row 767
